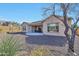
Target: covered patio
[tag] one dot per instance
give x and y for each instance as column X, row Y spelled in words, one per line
column 36, row 27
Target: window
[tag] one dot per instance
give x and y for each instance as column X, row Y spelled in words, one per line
column 53, row 27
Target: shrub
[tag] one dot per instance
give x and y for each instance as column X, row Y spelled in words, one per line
column 0, row 30
column 8, row 46
column 40, row 52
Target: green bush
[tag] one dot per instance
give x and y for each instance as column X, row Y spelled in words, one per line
column 40, row 52
column 8, row 46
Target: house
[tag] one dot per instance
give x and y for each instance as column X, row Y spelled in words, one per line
column 48, row 26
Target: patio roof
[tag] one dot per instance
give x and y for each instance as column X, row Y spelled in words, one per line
column 36, row 23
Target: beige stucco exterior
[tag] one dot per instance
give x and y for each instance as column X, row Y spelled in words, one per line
column 53, row 20
column 44, row 26
column 28, row 28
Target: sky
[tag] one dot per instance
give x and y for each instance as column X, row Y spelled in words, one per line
column 23, row 12
column 19, row 12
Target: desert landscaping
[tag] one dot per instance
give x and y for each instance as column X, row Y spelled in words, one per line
column 37, row 29
column 40, row 45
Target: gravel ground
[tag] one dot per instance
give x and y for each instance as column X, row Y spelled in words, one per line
column 57, row 45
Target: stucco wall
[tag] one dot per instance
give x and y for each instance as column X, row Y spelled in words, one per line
column 53, row 20
column 28, row 28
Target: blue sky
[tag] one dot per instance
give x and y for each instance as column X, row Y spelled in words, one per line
column 21, row 12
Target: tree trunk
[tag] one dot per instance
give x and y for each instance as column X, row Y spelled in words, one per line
column 70, row 38
column 71, row 43
column 70, row 46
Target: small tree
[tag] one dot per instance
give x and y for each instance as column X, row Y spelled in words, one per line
column 67, row 9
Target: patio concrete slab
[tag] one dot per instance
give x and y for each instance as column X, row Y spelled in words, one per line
column 35, row 34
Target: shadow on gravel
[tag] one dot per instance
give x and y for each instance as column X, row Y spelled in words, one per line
column 43, row 39
column 22, row 33
column 46, row 40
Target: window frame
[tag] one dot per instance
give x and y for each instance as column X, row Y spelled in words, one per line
column 56, row 29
